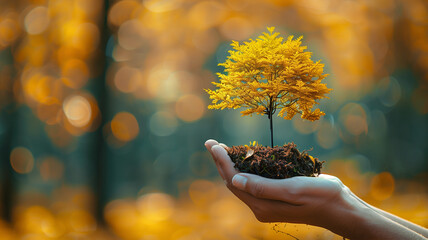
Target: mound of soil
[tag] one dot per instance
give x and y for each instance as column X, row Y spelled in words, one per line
column 278, row 162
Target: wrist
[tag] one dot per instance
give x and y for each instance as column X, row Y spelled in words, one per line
column 359, row 221
column 349, row 217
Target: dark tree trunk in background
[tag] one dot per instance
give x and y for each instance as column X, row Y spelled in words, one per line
column 7, row 183
column 101, row 94
column 8, row 119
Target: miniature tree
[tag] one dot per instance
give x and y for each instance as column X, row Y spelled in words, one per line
column 269, row 74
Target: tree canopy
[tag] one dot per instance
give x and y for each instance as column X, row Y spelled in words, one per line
column 269, row 74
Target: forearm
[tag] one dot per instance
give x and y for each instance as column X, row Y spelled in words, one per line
column 378, row 226
column 414, row 227
column 419, row 229
column 354, row 219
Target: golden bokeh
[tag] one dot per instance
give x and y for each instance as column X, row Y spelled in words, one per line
column 202, row 191
column 78, row 110
column 122, row 11
column 206, row 14
column 22, row 160
column 382, row 186
column 209, row 205
column 37, row 20
column 79, row 221
column 126, row 79
column 75, row 73
column 55, row 60
column 6, row 232
column 122, row 209
column 237, row 28
column 190, row 108
column 37, row 219
column 130, row 35
column 9, row 29
column 354, row 118
column 155, row 207
column 50, row 113
column 87, row 38
column 162, row 84
column 124, row 126
column 159, row 6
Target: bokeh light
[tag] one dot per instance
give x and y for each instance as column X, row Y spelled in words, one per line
column 75, row 73
column 126, row 79
column 129, row 35
column 201, row 192
column 78, row 110
column 9, row 29
column 190, row 108
column 155, row 207
column 382, row 186
column 354, row 118
column 124, row 126
column 122, row 11
column 206, row 14
column 21, row 160
column 237, row 28
column 37, row 20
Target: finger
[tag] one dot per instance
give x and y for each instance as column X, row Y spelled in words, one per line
column 286, row 190
column 210, row 143
column 224, row 146
column 225, row 166
column 224, row 162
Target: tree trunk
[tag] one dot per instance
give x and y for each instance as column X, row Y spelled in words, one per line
column 8, row 117
column 102, row 97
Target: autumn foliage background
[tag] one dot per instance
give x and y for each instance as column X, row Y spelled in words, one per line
column 103, row 113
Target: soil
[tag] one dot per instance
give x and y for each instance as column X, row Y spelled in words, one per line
column 278, row 162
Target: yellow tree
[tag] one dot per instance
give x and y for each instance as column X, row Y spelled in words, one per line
column 270, row 74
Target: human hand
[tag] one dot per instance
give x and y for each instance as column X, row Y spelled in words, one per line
column 297, row 199
column 321, row 201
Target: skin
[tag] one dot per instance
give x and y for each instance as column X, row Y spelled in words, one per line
column 322, row 201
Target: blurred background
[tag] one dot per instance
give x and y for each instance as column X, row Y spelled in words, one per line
column 103, row 115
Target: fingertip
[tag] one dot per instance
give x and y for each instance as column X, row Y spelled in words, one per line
column 210, row 143
column 224, row 146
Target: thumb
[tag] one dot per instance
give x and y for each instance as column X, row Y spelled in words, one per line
column 275, row 189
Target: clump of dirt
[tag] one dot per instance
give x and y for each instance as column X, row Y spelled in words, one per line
column 278, row 162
